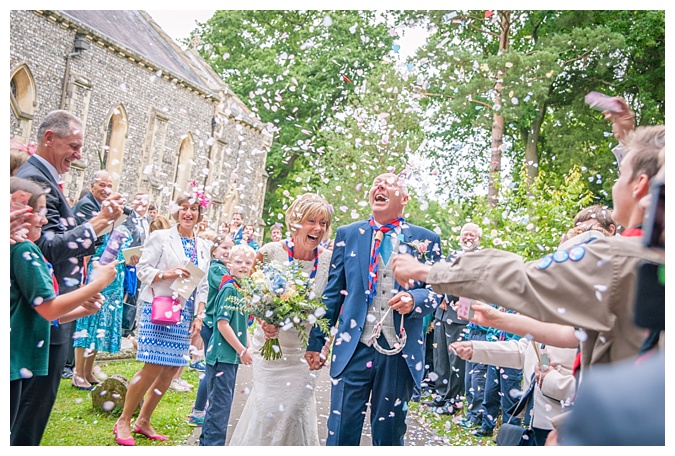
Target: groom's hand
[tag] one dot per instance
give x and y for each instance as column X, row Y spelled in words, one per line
column 403, row 303
column 314, row 360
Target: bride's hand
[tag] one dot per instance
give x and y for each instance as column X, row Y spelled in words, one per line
column 271, row 331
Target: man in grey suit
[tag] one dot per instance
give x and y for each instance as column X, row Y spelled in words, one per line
column 449, row 328
column 64, row 244
column 90, row 204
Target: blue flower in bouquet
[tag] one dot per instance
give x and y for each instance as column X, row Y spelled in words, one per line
column 282, row 295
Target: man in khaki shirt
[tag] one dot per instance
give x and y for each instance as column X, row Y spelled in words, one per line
column 590, row 286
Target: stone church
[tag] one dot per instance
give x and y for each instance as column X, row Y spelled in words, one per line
column 156, row 116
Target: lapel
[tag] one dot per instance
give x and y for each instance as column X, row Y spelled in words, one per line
column 364, row 241
column 63, row 202
column 176, row 244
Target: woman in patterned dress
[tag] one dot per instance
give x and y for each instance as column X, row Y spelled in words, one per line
column 101, row 331
column 164, row 349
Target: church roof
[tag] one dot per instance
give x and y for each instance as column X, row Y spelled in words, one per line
column 136, row 31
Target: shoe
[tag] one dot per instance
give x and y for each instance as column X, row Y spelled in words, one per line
column 482, row 432
column 198, row 365
column 185, row 384
column 124, row 442
column 434, row 403
column 176, row 385
column 468, row 424
column 445, row 410
column 67, row 373
column 137, row 430
column 81, row 384
column 195, row 421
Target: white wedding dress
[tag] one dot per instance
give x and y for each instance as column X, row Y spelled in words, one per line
column 281, row 407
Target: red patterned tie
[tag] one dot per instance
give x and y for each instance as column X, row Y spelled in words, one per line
column 61, row 187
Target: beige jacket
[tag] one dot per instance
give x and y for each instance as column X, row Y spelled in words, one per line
column 595, row 292
column 558, row 386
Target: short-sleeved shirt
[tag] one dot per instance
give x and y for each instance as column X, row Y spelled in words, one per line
column 30, row 285
column 216, row 272
column 219, row 350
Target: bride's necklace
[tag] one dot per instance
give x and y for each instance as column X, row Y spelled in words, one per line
column 289, row 250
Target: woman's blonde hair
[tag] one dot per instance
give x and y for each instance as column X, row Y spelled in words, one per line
column 306, row 206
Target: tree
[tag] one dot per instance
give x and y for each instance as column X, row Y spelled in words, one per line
column 294, row 69
column 498, row 72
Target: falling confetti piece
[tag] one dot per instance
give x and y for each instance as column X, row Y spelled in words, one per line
column 346, row 79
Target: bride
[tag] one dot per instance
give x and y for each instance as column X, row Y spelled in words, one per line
column 281, row 407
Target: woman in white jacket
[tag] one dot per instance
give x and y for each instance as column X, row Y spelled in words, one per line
column 164, row 349
column 555, row 384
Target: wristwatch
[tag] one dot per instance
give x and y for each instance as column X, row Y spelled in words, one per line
column 161, row 275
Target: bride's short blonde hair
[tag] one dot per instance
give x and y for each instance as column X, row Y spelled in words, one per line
column 306, row 206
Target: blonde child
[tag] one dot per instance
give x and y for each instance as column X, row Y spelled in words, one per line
column 227, row 348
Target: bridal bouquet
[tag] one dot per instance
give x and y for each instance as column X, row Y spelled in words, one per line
column 282, row 295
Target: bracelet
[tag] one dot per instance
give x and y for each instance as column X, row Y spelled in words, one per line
column 243, row 352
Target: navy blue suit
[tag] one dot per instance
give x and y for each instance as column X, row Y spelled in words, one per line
column 62, row 241
column 359, row 370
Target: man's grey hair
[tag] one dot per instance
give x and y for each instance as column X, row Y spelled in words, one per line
column 474, row 227
column 59, row 122
column 101, row 174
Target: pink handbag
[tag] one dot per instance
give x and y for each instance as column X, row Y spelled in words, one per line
column 165, row 310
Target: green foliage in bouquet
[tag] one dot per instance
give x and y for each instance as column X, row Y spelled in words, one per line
column 281, row 295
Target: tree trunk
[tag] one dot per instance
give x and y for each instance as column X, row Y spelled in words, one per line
column 497, row 119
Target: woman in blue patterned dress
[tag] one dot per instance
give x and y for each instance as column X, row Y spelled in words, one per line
column 101, row 331
column 164, row 349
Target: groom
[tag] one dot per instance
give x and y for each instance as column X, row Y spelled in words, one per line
column 378, row 356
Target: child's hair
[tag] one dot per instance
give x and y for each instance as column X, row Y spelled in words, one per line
column 160, row 223
column 219, row 240
column 27, row 185
column 16, row 159
column 597, row 212
column 242, row 249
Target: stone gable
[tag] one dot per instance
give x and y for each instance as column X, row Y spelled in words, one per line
column 162, row 123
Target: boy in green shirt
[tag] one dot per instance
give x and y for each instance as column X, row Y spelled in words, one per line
column 228, row 347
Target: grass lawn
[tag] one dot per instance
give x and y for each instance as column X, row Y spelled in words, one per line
column 74, row 422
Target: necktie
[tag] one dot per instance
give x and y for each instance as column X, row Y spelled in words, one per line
column 385, row 247
column 374, row 255
column 61, row 186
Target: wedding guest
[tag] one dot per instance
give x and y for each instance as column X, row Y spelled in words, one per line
column 236, row 227
column 159, row 223
column 163, row 349
column 89, row 205
column 138, row 224
column 247, row 237
column 275, row 232
column 448, row 327
column 554, row 388
column 16, row 159
column 35, row 302
column 601, row 276
column 281, row 407
column 378, row 355
column 220, row 252
column 101, row 331
column 228, row 347
column 64, row 244
column 152, row 212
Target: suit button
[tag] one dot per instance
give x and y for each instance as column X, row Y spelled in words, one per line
column 382, row 308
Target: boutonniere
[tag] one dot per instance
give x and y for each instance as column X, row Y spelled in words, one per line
column 421, row 248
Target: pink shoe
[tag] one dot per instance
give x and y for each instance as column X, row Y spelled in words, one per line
column 124, row 442
column 137, row 429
